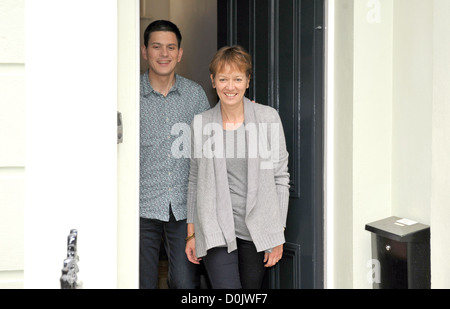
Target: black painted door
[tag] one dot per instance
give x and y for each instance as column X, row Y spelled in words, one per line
column 285, row 39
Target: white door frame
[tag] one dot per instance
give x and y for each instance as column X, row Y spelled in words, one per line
column 329, row 145
column 128, row 151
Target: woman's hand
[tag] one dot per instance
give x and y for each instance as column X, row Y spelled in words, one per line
column 273, row 257
column 190, row 245
column 190, row 251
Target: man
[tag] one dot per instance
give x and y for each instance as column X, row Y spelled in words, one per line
column 167, row 99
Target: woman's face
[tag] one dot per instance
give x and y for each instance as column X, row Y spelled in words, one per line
column 230, row 84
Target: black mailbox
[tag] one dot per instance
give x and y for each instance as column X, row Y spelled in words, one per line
column 402, row 248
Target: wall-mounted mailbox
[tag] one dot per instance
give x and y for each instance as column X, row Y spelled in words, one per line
column 402, row 248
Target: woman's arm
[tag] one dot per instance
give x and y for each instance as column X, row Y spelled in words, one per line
column 192, row 181
column 191, row 205
column 190, row 244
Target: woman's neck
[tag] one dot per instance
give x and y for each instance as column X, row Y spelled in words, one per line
column 232, row 116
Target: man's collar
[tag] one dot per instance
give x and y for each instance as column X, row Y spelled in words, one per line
column 149, row 89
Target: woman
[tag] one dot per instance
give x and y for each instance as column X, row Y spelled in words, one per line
column 239, row 182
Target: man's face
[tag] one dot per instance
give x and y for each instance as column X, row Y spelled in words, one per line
column 162, row 53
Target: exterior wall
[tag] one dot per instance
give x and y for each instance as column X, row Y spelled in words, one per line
column 391, row 128
column 413, row 98
column 12, row 142
column 372, row 127
column 363, row 124
column 440, row 183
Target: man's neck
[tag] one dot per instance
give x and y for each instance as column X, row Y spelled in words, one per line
column 161, row 84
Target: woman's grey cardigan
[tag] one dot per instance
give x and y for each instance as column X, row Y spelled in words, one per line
column 208, row 200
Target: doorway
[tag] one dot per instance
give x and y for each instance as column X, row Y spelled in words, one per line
column 286, row 41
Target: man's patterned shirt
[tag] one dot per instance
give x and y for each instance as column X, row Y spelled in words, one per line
column 163, row 177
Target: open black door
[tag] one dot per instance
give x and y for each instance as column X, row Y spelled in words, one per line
column 286, row 39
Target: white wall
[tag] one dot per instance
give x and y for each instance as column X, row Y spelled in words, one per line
column 198, row 19
column 413, row 98
column 12, row 142
column 440, row 193
column 421, row 133
column 363, row 124
column 372, row 126
column 391, row 119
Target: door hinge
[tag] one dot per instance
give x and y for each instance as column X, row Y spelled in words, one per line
column 119, row 128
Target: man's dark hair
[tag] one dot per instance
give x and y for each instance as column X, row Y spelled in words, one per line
column 162, row 25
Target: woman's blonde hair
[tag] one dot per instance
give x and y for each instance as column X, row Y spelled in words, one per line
column 235, row 56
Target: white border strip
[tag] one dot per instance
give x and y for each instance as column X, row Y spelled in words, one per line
column 329, row 145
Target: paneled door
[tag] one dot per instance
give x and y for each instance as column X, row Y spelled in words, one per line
column 286, row 40
column 71, row 145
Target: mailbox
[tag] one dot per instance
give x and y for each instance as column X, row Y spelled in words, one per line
column 402, row 248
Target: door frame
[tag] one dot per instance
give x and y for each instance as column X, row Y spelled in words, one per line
column 128, row 151
column 329, row 145
column 128, row 264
